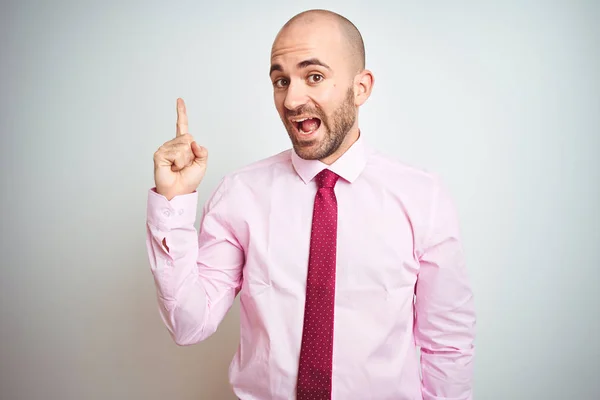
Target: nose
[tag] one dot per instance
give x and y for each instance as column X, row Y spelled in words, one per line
column 295, row 96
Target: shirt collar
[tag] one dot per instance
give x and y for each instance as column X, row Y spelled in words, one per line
column 349, row 166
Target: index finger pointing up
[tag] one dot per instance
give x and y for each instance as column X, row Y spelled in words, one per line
column 182, row 120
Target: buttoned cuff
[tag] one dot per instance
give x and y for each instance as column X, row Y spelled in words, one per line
column 166, row 215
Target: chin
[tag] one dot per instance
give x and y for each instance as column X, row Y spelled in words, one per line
column 307, row 154
column 306, row 149
column 315, row 150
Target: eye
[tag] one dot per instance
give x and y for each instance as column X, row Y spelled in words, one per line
column 280, row 83
column 315, row 78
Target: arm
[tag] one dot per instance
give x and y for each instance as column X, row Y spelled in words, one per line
column 197, row 276
column 444, row 310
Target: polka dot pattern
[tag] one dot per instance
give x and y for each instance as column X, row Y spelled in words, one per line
column 316, row 353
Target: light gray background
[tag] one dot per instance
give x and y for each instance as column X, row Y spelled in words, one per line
column 500, row 98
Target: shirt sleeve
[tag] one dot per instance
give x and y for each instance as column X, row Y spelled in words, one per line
column 444, row 308
column 198, row 273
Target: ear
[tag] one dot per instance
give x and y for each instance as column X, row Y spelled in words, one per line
column 363, row 85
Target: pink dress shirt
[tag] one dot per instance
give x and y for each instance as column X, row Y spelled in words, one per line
column 401, row 280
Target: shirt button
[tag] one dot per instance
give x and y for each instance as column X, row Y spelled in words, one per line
column 166, row 213
column 180, row 211
column 169, row 263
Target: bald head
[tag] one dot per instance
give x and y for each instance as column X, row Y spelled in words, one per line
column 350, row 34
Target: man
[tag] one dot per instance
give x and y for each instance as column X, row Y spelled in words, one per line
column 345, row 260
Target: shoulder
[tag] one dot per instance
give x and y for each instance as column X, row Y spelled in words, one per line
column 424, row 195
column 254, row 173
column 261, row 168
column 425, row 191
column 249, row 176
column 399, row 173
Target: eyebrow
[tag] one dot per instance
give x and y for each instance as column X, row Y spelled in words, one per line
column 301, row 64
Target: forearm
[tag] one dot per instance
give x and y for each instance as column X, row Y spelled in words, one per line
column 445, row 327
column 181, row 296
column 447, row 353
column 197, row 274
column 456, row 385
column 189, row 311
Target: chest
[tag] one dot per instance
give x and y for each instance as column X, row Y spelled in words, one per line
column 375, row 242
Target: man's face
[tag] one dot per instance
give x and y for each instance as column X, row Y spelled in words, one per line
column 313, row 88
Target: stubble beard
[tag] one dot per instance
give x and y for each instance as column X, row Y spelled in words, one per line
column 336, row 129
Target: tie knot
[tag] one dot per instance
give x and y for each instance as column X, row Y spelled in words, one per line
column 326, row 179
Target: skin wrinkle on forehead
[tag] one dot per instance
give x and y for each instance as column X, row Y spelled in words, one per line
column 279, row 52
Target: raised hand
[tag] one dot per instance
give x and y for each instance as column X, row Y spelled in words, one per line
column 180, row 163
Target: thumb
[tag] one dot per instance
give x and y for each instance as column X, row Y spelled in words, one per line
column 200, row 153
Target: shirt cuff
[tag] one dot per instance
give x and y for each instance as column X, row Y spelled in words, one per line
column 166, row 215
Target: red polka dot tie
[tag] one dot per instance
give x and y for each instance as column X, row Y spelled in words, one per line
column 314, row 373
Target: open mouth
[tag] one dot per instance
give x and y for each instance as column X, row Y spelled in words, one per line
column 307, row 126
